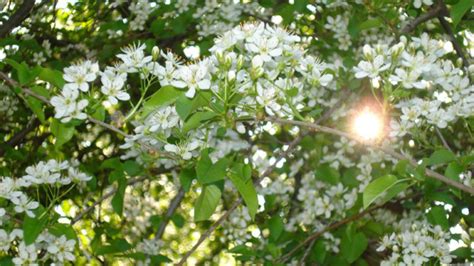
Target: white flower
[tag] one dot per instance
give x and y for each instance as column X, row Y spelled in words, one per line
column 194, row 77
column 134, row 58
column 184, row 151
column 8, row 188
column 167, row 75
column 417, row 3
column 162, row 119
column 408, row 79
column 62, row 249
column 55, row 166
column 23, row 204
column 77, row 113
column 371, row 69
column 40, row 174
column 64, row 104
column 77, row 176
column 267, row 98
column 78, row 76
column 27, row 255
column 112, row 87
column 4, row 241
column 265, row 47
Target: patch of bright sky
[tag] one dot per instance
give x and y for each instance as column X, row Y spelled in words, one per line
column 64, row 3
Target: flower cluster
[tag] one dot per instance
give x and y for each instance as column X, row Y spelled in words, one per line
column 322, row 201
column 415, row 242
column 51, row 172
column 8, row 105
column 73, row 100
column 440, row 92
column 140, row 10
column 68, row 105
column 56, row 249
column 339, row 26
column 218, row 17
column 236, row 228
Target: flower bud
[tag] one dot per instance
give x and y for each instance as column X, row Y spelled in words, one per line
column 155, row 53
column 240, row 62
column 231, row 75
column 257, row 61
column 368, row 51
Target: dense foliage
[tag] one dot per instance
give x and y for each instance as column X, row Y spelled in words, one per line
column 147, row 132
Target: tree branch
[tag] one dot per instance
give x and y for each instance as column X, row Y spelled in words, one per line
column 279, row 156
column 174, row 204
column 33, row 94
column 433, row 12
column 332, row 226
column 447, row 28
column 205, row 235
column 18, row 138
column 338, row 224
column 389, row 151
column 104, row 197
column 17, row 18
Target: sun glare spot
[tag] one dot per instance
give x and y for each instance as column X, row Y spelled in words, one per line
column 368, row 124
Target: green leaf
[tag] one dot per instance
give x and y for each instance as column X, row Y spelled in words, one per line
column 32, row 227
column 458, row 10
column 132, row 167
column 25, row 76
column 63, row 229
column 463, row 252
column 441, row 156
column 178, row 220
column 437, row 216
column 206, row 202
column 185, row 106
column 352, row 247
column 186, row 177
column 159, row 259
column 37, row 107
column 327, row 174
column 319, row 251
column 164, row 96
column 115, row 246
column 6, row 261
column 112, row 163
column 385, row 187
column 197, row 119
column 117, row 200
column 453, row 170
column 245, row 187
column 62, row 132
column 52, row 76
column 207, row 172
column 243, row 249
column 99, row 113
column 275, row 225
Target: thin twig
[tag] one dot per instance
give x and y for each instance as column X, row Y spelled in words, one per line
column 387, row 150
column 331, row 227
column 432, row 13
column 205, row 235
column 306, row 253
column 17, row 18
column 443, row 140
column 33, row 94
column 104, row 197
column 314, row 236
column 20, row 136
column 174, row 204
column 447, row 28
column 281, row 155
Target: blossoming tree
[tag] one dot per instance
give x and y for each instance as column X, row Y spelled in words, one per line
column 147, row 132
